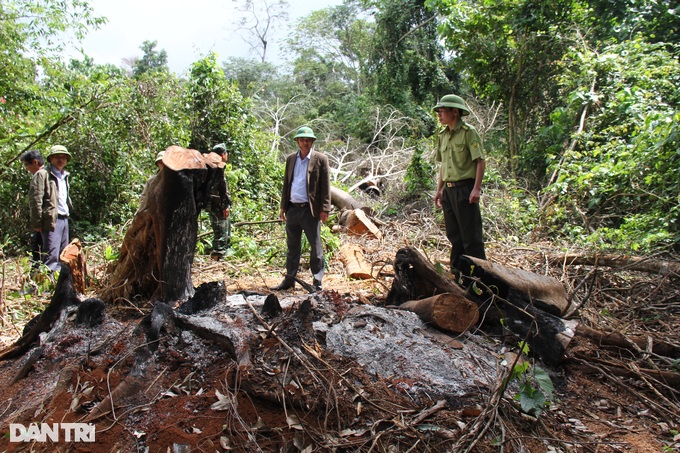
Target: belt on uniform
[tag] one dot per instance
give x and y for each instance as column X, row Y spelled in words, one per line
column 62, row 216
column 299, row 205
column 462, row 182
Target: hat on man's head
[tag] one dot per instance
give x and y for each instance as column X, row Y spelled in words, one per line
column 58, row 149
column 453, row 101
column 305, row 132
column 159, row 157
column 220, row 148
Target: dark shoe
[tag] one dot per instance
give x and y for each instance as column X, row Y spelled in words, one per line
column 287, row 283
column 317, row 284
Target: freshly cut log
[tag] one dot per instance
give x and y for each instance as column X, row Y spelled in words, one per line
column 356, row 265
column 548, row 335
column 357, row 222
column 544, row 292
column 74, row 257
column 450, row 312
column 158, row 249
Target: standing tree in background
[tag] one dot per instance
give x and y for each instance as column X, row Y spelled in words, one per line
column 408, row 59
column 510, row 52
column 152, row 60
column 259, row 20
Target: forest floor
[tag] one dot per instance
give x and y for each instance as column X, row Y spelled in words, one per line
column 190, row 394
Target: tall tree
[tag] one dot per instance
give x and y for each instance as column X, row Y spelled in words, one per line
column 408, row 59
column 510, row 50
column 259, row 19
column 152, row 60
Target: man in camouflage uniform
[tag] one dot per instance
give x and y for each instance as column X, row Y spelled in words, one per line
column 220, row 202
column 460, row 151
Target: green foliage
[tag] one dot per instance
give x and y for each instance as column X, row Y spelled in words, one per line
column 418, row 174
column 618, row 185
column 535, row 386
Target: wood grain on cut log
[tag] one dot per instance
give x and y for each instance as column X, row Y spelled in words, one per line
column 355, row 264
column 74, row 257
column 357, row 222
column 450, row 312
column 158, row 249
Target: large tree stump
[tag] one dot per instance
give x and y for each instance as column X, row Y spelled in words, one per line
column 158, row 249
column 450, row 312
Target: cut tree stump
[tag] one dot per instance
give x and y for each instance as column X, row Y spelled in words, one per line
column 74, row 258
column 158, row 249
column 355, row 264
column 449, row 312
column 64, row 295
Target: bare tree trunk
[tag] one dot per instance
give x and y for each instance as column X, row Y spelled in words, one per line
column 633, row 263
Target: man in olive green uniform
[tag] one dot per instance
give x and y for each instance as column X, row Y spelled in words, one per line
column 460, row 151
column 220, row 202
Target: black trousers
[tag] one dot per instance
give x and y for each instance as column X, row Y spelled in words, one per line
column 463, row 224
column 299, row 220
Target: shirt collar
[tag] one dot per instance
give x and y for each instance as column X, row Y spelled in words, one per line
column 309, row 154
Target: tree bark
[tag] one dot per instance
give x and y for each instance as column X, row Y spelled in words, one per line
column 516, row 285
column 415, row 278
column 342, row 200
column 547, row 335
column 449, row 312
column 158, row 249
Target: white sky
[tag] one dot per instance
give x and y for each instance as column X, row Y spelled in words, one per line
column 186, row 29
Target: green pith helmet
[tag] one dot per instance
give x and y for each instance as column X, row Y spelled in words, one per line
column 305, row 132
column 220, row 148
column 159, row 157
column 453, row 101
column 58, row 149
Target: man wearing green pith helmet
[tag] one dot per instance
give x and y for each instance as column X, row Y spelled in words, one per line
column 305, row 204
column 51, row 205
column 460, row 151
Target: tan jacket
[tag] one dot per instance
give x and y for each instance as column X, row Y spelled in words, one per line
column 318, row 183
column 43, row 198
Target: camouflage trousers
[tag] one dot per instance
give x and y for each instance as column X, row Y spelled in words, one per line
column 221, row 227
